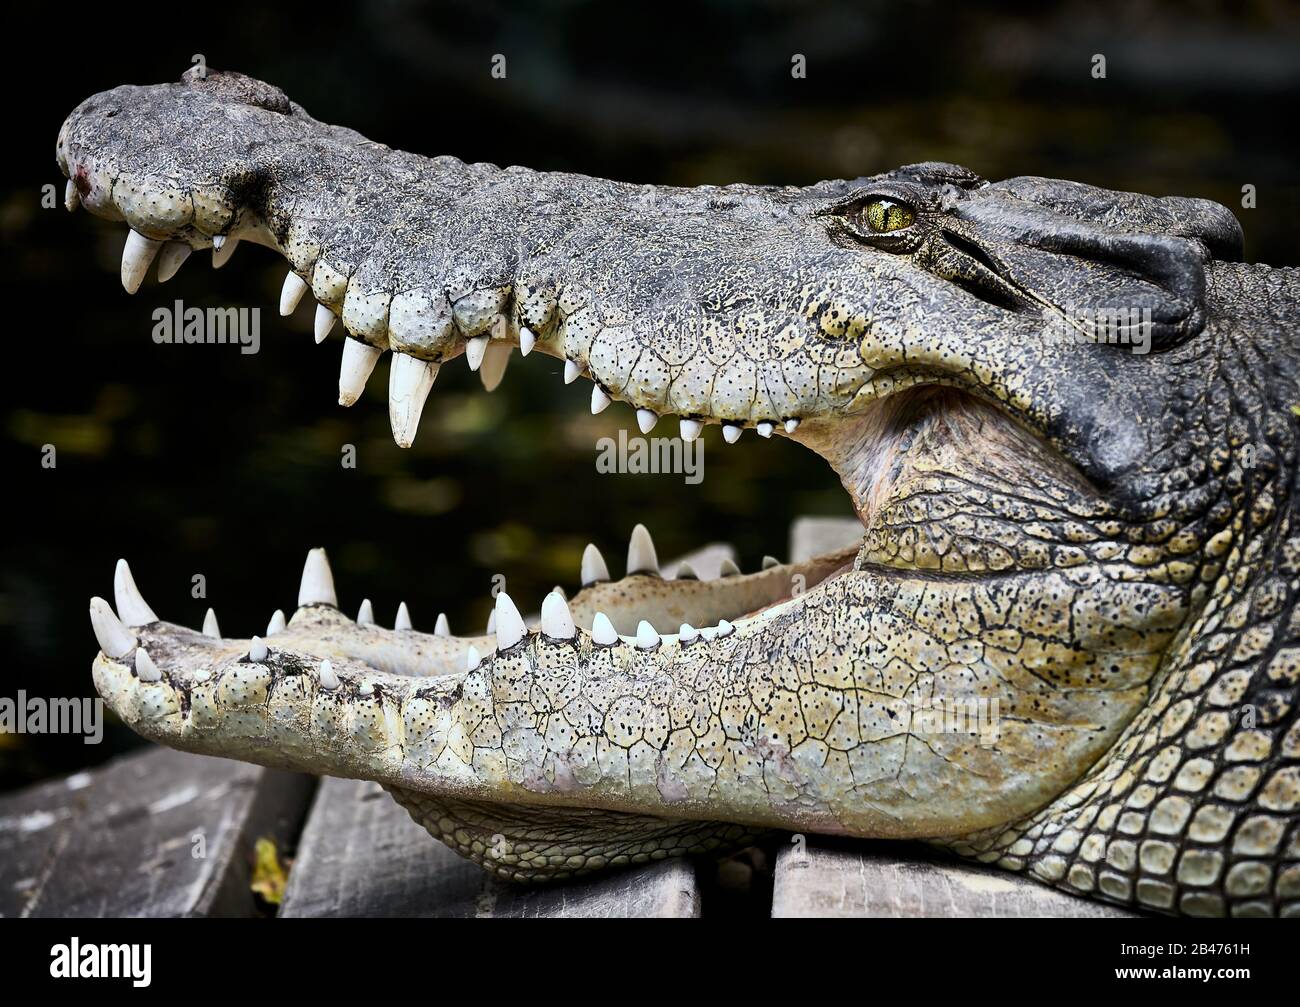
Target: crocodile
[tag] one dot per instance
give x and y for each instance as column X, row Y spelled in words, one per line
column 1067, row 643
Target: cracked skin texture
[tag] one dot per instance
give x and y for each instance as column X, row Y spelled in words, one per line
column 1104, row 543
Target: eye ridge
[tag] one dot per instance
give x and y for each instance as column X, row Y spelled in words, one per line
column 884, row 215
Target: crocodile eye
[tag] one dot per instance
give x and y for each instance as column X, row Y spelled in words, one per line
column 885, row 215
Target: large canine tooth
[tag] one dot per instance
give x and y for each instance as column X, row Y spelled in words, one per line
column 171, row 258
column 442, row 627
column 71, row 197
column 257, row 650
column 728, row 568
column 687, row 633
column 765, row 429
column 409, row 381
column 325, row 320
column 291, row 293
column 594, row 568
column 115, row 640
column 791, row 426
column 646, row 419
column 317, row 587
column 137, row 256
column 135, row 611
column 641, row 556
column 474, row 351
column 495, row 361
column 276, row 624
column 510, row 624
column 571, row 371
column 328, row 680
column 691, row 429
column 770, row 561
column 403, row 620
column 222, row 249
column 602, row 631
column 145, row 669
column 731, row 433
column 687, row 572
column 210, row 627
column 646, row 637
column 557, row 621
column 472, row 658
column 599, row 400
column 526, row 340
column 359, row 361
column 366, row 613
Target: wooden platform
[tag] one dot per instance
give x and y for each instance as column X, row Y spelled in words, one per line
column 162, row 833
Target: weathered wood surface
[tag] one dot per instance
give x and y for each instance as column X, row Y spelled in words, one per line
column 867, row 879
column 120, row 840
column 832, row 878
column 362, row 855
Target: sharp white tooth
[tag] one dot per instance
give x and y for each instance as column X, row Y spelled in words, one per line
column 145, row 669
column 510, row 624
column 115, row 640
column 325, row 320
column 358, row 362
column 641, row 556
column 276, row 624
column 328, row 680
column 257, row 650
column 731, row 433
column 475, row 349
column 571, row 372
column 709, row 633
column 291, row 293
column 442, row 627
column 646, row 419
column 137, row 256
column 602, row 631
column 594, row 569
column 791, row 426
column 171, row 258
column 71, row 197
column 366, row 613
column 557, row 622
column 725, row 628
column 492, row 623
column 691, row 429
column 135, row 611
column 222, row 249
column 561, row 592
column 770, row 561
column 728, row 568
column 472, row 658
column 317, row 587
column 526, row 340
column 599, row 400
column 210, row 627
column 366, row 689
column 409, row 381
column 765, row 429
column 495, row 362
column 403, row 620
column 687, row 572
column 646, row 637
column 687, row 633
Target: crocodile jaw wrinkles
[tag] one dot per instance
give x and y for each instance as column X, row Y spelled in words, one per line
column 1094, row 548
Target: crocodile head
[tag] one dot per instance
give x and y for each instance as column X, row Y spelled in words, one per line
column 1063, row 415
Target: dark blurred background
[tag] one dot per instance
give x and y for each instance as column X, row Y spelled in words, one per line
column 201, row 460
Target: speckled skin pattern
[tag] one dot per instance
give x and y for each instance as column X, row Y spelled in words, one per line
column 1098, row 547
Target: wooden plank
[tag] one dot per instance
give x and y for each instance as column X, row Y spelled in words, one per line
column 846, row 878
column 362, row 855
column 881, row 880
column 124, row 839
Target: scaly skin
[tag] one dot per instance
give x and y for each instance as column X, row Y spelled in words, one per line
column 1098, row 549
